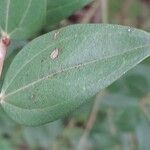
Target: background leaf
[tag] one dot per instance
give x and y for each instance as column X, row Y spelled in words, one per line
column 21, row 19
column 42, row 136
column 90, row 57
column 60, row 9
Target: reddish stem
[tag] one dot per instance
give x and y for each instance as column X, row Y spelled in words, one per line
column 4, row 43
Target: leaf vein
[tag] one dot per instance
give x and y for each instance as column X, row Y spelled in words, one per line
column 64, row 39
column 22, row 19
column 7, row 15
column 68, row 69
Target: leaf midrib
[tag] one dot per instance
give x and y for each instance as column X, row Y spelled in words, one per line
column 43, row 109
column 7, row 15
column 68, row 69
column 64, row 39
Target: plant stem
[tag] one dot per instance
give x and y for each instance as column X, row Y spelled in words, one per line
column 4, row 43
column 124, row 12
column 133, row 141
column 95, row 6
column 104, row 11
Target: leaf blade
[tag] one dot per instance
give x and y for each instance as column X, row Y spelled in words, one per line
column 59, row 10
column 103, row 54
column 17, row 17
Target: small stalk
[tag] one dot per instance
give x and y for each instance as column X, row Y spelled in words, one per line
column 104, row 11
column 4, row 43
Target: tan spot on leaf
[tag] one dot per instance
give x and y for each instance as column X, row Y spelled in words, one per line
column 56, row 34
column 55, row 54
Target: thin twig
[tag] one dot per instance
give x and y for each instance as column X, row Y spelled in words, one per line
column 91, row 121
column 124, row 12
column 104, row 11
column 133, row 141
column 95, row 6
column 112, row 127
column 143, row 106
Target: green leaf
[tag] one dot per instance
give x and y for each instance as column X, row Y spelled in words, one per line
column 60, row 9
column 6, row 123
column 134, row 84
column 12, row 52
column 21, row 19
column 43, row 136
column 58, row 72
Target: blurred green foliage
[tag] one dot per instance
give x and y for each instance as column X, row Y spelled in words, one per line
column 123, row 117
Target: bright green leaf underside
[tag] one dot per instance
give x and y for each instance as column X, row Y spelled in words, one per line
column 22, row 18
column 38, row 89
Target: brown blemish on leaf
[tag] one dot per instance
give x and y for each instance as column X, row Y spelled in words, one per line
column 55, row 54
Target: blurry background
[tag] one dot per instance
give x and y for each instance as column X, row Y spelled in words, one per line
column 118, row 118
